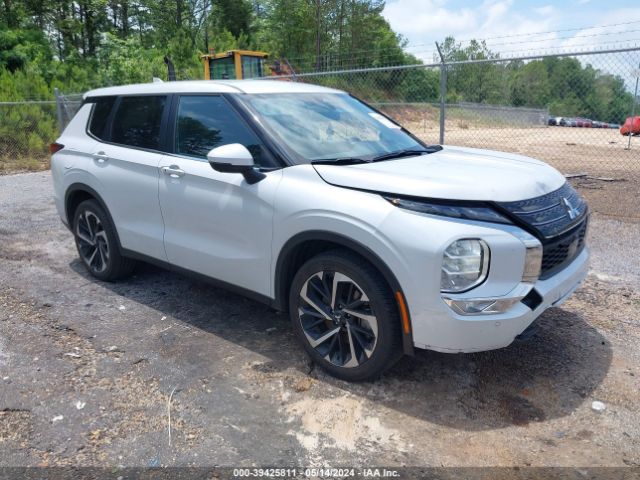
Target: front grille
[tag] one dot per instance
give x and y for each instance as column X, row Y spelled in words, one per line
column 559, row 253
column 550, row 214
column 559, row 219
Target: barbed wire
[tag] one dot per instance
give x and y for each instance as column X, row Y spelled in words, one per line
column 430, row 59
column 568, row 49
column 555, row 39
column 469, row 39
column 360, row 57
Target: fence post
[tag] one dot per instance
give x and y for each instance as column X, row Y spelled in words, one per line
column 633, row 107
column 56, row 92
column 443, row 92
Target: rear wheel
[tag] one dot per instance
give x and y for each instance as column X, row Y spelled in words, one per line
column 97, row 244
column 344, row 313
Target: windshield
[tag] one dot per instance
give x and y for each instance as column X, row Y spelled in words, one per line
column 329, row 126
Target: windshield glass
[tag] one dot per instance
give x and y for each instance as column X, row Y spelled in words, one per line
column 329, row 126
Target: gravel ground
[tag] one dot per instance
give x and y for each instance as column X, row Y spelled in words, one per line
column 89, row 371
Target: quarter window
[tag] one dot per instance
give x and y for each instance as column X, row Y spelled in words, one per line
column 208, row 121
column 101, row 110
column 137, row 121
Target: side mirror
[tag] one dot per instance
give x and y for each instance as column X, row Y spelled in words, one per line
column 235, row 158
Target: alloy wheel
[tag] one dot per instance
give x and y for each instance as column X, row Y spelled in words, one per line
column 92, row 242
column 337, row 319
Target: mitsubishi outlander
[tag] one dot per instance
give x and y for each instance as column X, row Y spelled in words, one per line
column 315, row 203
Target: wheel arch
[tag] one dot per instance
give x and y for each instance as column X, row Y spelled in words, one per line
column 299, row 248
column 77, row 193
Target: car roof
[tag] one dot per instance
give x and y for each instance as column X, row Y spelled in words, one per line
column 212, row 86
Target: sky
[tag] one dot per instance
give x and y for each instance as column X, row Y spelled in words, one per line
column 422, row 22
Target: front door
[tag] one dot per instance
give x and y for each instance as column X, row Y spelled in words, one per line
column 216, row 223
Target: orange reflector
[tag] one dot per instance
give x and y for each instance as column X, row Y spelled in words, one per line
column 404, row 315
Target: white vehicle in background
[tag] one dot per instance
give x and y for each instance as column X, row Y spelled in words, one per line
column 311, row 201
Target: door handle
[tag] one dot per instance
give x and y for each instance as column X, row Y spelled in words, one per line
column 100, row 157
column 173, row 171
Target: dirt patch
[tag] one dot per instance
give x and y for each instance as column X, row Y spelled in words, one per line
column 15, row 426
column 341, row 422
column 129, row 403
column 519, row 410
column 16, row 251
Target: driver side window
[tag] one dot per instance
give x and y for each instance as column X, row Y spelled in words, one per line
column 205, row 122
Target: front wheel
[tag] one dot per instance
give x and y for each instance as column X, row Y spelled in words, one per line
column 345, row 315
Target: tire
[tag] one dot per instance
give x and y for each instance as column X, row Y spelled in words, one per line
column 97, row 243
column 366, row 338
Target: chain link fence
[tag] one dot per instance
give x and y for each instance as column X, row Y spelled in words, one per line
column 26, row 130
column 28, row 127
column 66, row 107
column 536, row 106
column 565, row 109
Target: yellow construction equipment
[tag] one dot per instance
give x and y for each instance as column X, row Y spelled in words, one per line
column 233, row 65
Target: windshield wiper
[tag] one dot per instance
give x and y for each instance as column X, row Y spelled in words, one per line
column 340, row 161
column 407, row 152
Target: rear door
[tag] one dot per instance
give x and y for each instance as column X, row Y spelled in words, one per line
column 125, row 161
column 216, row 223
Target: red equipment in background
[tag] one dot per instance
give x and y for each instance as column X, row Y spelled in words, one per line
column 631, row 125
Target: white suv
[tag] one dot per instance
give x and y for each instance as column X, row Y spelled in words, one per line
column 309, row 200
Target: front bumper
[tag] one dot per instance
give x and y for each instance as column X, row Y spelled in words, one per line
column 471, row 333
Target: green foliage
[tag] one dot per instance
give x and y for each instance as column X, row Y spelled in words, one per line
column 73, row 77
column 419, row 85
column 126, row 61
column 561, row 84
column 25, row 130
column 530, row 85
column 476, row 82
column 23, row 85
column 20, row 46
column 233, row 16
column 184, row 56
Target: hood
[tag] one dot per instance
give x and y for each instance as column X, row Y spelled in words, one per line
column 453, row 173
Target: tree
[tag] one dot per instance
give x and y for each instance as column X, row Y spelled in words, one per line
column 475, row 82
column 530, row 85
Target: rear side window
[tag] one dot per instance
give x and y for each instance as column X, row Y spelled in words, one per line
column 206, row 122
column 137, row 121
column 101, row 110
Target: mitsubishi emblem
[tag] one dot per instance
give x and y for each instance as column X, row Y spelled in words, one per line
column 572, row 211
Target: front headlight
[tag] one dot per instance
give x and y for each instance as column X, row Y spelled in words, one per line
column 465, row 264
column 452, row 210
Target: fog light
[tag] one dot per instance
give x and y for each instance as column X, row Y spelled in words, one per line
column 465, row 264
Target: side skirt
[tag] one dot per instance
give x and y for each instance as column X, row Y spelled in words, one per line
column 258, row 297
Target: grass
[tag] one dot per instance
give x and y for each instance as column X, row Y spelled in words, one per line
column 9, row 165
